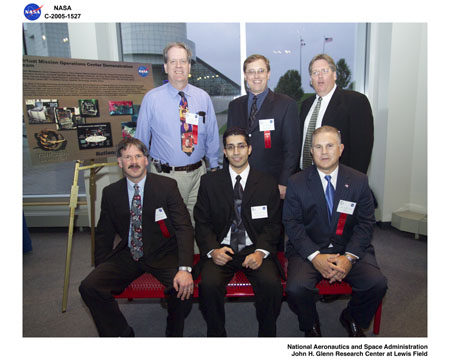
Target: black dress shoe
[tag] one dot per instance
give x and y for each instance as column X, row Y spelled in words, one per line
column 314, row 332
column 353, row 329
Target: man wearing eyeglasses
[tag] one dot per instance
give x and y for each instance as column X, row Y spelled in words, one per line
column 178, row 123
column 346, row 110
column 237, row 228
column 271, row 120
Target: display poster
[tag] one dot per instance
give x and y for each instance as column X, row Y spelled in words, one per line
column 77, row 109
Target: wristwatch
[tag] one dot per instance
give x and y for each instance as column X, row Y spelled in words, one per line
column 185, row 268
column 351, row 259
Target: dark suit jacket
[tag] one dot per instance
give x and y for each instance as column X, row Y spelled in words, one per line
column 282, row 159
column 159, row 252
column 349, row 112
column 305, row 215
column 214, row 210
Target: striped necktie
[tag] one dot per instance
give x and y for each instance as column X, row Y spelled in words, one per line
column 307, row 158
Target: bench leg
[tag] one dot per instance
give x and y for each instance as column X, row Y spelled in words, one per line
column 377, row 320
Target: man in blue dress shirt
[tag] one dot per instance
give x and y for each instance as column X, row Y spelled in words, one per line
column 178, row 123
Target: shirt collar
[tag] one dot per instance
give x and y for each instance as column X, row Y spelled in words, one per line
column 244, row 175
column 175, row 91
column 328, row 96
column 130, row 184
column 260, row 96
column 333, row 175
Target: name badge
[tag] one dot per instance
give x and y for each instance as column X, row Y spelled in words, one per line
column 160, row 214
column 192, row 118
column 346, row 207
column 259, row 212
column 266, row 124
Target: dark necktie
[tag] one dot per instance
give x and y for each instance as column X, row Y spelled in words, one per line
column 253, row 111
column 237, row 241
column 329, row 195
column 307, row 158
column 136, row 245
column 187, row 137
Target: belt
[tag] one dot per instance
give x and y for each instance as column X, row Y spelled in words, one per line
column 167, row 169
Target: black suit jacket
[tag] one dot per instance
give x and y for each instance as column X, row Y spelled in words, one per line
column 159, row 251
column 305, row 215
column 349, row 112
column 281, row 160
column 213, row 212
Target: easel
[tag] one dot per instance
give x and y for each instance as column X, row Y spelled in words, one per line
column 94, row 169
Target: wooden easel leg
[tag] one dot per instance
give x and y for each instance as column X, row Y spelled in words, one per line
column 72, row 205
column 93, row 195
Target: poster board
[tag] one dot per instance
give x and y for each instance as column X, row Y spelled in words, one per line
column 78, row 109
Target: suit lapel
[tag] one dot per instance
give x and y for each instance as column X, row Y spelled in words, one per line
column 332, row 108
column 250, row 186
column 316, row 189
column 227, row 186
column 342, row 188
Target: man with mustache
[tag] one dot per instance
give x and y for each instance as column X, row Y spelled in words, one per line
column 156, row 236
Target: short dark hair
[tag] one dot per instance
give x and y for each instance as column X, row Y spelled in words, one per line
column 235, row 131
column 178, row 44
column 256, row 57
column 129, row 141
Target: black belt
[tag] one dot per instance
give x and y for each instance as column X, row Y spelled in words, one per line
column 167, row 169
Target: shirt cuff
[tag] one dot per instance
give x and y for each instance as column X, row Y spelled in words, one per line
column 357, row 257
column 313, row 255
column 266, row 253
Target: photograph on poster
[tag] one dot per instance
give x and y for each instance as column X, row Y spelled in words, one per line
column 128, row 129
column 93, row 136
column 135, row 115
column 89, row 107
column 120, row 107
column 50, row 140
column 67, row 118
column 41, row 111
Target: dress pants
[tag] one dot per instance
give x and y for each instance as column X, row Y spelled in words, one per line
column 266, row 285
column 112, row 277
column 368, row 283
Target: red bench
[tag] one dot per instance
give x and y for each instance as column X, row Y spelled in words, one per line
column 147, row 287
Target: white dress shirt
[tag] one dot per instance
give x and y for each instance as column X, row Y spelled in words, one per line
column 323, row 107
column 227, row 239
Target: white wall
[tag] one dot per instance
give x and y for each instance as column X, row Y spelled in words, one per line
column 397, row 79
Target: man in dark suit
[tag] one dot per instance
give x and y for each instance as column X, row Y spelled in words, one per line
column 329, row 218
column 148, row 214
column 237, row 227
column 272, row 122
column 346, row 110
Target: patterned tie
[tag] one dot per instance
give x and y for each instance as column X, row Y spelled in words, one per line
column 307, row 159
column 136, row 245
column 253, row 111
column 187, row 137
column 237, row 242
column 329, row 195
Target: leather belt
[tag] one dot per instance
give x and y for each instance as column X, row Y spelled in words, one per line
column 167, row 169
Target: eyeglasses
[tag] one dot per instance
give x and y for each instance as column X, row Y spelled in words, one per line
column 253, row 72
column 325, row 71
column 231, row 147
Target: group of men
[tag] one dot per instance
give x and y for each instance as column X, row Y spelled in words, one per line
column 236, row 214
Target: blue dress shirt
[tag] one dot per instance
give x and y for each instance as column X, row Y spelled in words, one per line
column 159, row 121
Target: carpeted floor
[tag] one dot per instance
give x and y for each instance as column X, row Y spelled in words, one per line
column 402, row 259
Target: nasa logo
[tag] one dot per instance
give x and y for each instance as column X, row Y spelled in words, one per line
column 32, row 11
column 143, row 71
